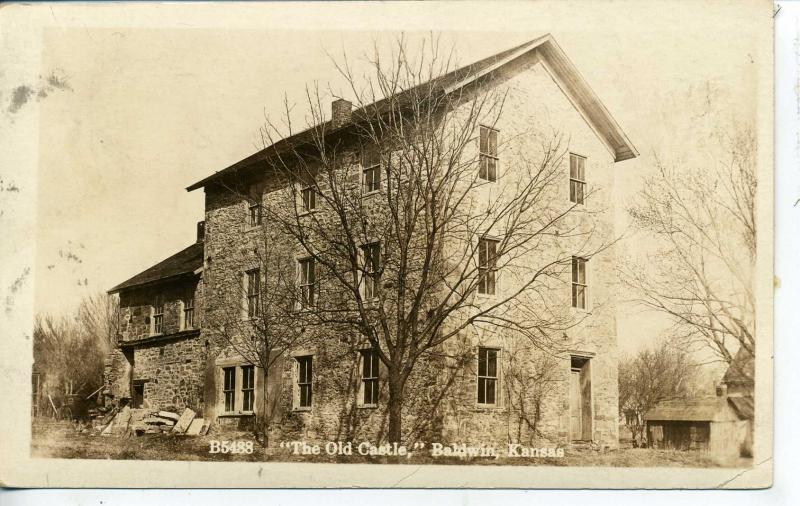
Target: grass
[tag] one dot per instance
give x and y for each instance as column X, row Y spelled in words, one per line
column 60, row 440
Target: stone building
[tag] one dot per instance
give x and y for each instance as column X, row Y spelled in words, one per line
column 330, row 384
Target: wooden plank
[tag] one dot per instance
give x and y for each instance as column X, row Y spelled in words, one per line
column 194, row 427
column 183, row 422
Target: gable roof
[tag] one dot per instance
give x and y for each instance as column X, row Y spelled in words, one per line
column 570, row 81
column 741, row 370
column 182, row 263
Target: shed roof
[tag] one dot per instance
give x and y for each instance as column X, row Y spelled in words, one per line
column 184, row 262
column 558, row 63
column 690, row 410
column 704, row 409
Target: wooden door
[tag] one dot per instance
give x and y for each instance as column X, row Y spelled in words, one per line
column 575, row 405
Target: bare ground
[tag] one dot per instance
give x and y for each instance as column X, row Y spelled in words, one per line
column 51, row 439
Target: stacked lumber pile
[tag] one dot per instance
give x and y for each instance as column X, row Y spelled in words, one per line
column 136, row 422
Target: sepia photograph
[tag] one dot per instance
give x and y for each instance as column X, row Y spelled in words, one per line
column 453, row 237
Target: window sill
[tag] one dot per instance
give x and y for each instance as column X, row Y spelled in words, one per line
column 309, row 212
column 233, row 414
column 487, row 408
column 371, row 193
column 486, row 296
column 367, row 406
column 302, row 409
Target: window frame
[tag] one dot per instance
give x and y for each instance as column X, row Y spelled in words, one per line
column 577, row 179
column 486, row 377
column 248, row 388
column 370, row 385
column 576, row 285
column 489, row 268
column 255, row 219
column 229, row 389
column 305, row 286
column 305, row 382
column 187, row 310
column 311, row 191
column 371, row 271
column 252, row 297
column 486, row 172
column 157, row 316
column 372, row 166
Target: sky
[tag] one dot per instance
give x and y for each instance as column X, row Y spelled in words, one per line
column 130, row 116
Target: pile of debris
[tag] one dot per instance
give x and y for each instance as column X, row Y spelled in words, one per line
column 135, row 422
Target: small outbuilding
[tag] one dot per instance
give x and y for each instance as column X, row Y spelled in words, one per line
column 720, row 425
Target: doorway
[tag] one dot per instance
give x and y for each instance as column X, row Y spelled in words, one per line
column 580, row 399
column 137, row 394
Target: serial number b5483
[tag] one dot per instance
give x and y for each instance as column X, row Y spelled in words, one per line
column 230, row 446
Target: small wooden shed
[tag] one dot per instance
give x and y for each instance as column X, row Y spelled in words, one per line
column 719, row 425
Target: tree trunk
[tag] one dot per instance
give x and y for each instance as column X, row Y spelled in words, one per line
column 262, row 425
column 396, row 387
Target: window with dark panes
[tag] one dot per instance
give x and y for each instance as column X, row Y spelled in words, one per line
column 304, row 377
column 487, row 376
column 158, row 315
column 488, row 154
column 487, row 266
column 579, row 285
column 369, row 376
column 371, row 172
column 188, row 310
column 253, row 292
column 248, row 387
column 308, row 279
column 372, row 269
column 577, row 178
column 229, row 388
column 309, row 194
column 255, row 215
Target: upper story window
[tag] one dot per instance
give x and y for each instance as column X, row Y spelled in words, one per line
column 487, row 266
column 488, row 154
column 579, row 284
column 372, row 269
column 371, row 172
column 253, row 281
column 255, row 215
column 577, row 178
column 487, row 375
column 304, row 377
column 188, row 310
column 370, row 362
column 307, row 282
column 309, row 195
column 157, row 326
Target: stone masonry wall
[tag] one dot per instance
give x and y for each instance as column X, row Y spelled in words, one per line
column 536, row 105
column 173, row 373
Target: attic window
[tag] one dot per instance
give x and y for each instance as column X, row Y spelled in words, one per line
column 577, row 178
column 488, row 154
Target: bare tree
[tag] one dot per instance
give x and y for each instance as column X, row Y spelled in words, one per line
column 99, row 315
column 411, row 226
column 257, row 319
column 704, row 223
column 651, row 376
column 530, row 378
column 69, row 349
